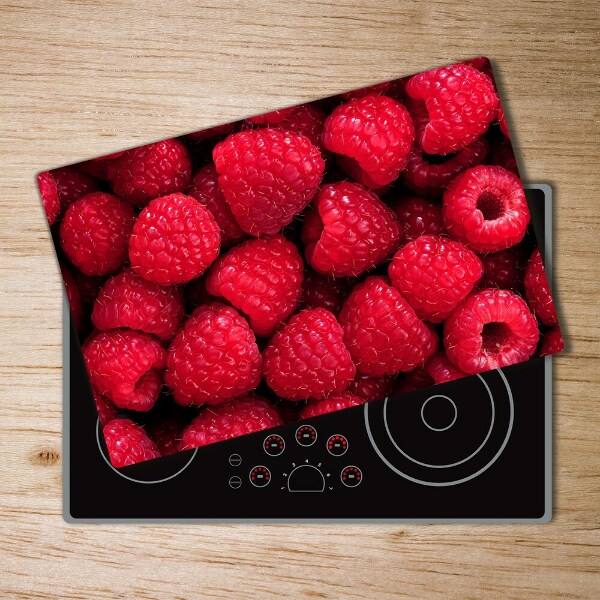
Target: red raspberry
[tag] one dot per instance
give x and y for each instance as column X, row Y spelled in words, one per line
column 151, row 171
column 262, row 278
column 110, row 156
column 205, row 188
column 490, row 329
column 434, row 274
column 502, row 123
column 349, row 231
column 320, row 291
column 382, row 331
column 461, row 103
column 418, row 216
column 430, row 174
column 330, row 404
column 105, row 408
column 379, row 89
column 552, row 342
column 213, row 358
column 373, row 135
column 49, row 194
column 126, row 367
column 272, row 118
column 130, row 301
column 504, row 269
column 441, row 370
column 305, row 120
column 502, row 155
column 371, row 388
column 167, row 434
column 127, row 443
column 537, row 290
column 307, row 358
column 95, row 167
column 267, row 176
column 486, row 208
column 174, row 240
column 72, row 185
column 240, row 417
column 95, row 231
column 211, row 132
column 73, row 297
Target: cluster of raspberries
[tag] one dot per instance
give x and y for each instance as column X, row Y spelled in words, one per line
column 300, row 262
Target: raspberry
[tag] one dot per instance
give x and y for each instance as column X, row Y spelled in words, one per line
column 205, row 188
column 89, row 287
column 504, row 269
column 490, row 329
column 151, row 171
column 105, row 408
column 213, row 358
column 95, row 231
column 418, row 216
column 267, row 176
column 349, row 230
column 319, row 291
column 73, row 297
column 96, row 168
column 430, row 174
column 370, row 388
column 502, row 154
column 166, row 434
column 272, row 118
column 461, row 103
column 49, row 194
column 382, row 332
column 72, row 185
column 130, row 301
column 486, row 208
column 373, row 135
column 434, row 274
column 174, row 240
column 552, row 342
column 441, row 370
column 126, row 367
column 211, row 132
column 305, row 120
column 127, row 443
column 379, row 89
column 537, row 290
column 307, row 358
column 262, row 278
column 330, row 404
column 240, row 417
column 502, row 123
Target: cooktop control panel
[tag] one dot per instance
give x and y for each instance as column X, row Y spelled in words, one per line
column 305, row 462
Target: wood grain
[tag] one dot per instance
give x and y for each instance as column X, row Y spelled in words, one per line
column 84, row 78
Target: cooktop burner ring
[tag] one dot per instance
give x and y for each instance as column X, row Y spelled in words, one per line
column 457, row 481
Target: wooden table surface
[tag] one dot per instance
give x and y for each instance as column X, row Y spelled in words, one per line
column 84, row 78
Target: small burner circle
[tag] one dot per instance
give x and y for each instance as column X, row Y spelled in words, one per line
column 442, row 412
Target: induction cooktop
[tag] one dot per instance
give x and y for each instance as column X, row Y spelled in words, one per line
column 477, row 449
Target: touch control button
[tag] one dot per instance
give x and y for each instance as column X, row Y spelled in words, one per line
column 235, row 482
column 274, row 445
column 306, row 435
column 260, row 476
column 235, row 460
column 351, row 476
column 337, row 445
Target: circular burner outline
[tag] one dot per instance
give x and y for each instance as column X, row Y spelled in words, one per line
column 107, row 461
column 449, row 465
column 464, row 479
column 423, row 410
